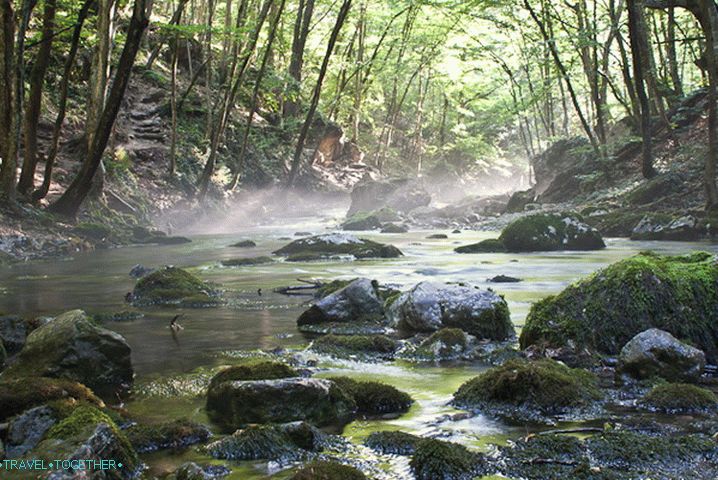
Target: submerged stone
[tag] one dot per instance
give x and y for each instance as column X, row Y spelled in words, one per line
column 445, row 344
column 338, row 244
column 173, row 286
column 428, row 307
column 358, row 301
column 72, row 346
column 655, row 353
column 604, row 311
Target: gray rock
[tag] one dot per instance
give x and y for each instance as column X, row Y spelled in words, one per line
column 429, row 307
column 13, row 332
column 401, row 194
column 193, row 471
column 72, row 346
column 139, row 271
column 655, row 352
column 358, row 301
column 27, row 429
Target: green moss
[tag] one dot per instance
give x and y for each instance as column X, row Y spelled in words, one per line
column 448, row 336
column 393, row 443
column 343, row 345
column 546, row 385
column 254, row 370
column 176, row 434
column 679, row 397
column 321, row 470
column 243, row 262
column 285, row 442
column 391, row 298
column 615, row 224
column 334, row 286
column 492, row 245
column 439, row 460
column 305, row 257
column 18, row 395
column 545, row 232
column 374, row 398
column 446, row 343
column 172, row 285
column 603, row 312
column 327, row 245
column 244, row 244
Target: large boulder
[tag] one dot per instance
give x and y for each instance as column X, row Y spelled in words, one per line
column 430, row 306
column 370, row 220
column 602, row 313
column 543, row 232
column 321, row 246
column 401, row 195
column 558, row 170
column 72, row 346
column 234, row 404
column 655, row 353
column 662, row 227
column 358, row 301
column 173, row 286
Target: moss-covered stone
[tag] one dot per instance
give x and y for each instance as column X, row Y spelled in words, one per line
column 338, row 244
column 322, row 470
column 439, row 460
column 19, row 395
column 370, row 220
column 244, row 244
column 245, row 262
column 679, row 398
column 173, row 286
column 654, row 189
column 545, row 232
column 350, row 345
column 253, row 370
column 393, row 443
column 603, row 312
column 374, row 398
column 528, row 389
column 492, row 245
column 616, row 223
column 444, row 344
column 328, row 288
column 176, row 434
column 394, row 228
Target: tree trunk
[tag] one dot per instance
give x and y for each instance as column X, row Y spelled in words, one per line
column 8, row 139
column 299, row 41
column 671, row 53
column 341, row 18
column 709, row 174
column 34, row 104
column 69, row 203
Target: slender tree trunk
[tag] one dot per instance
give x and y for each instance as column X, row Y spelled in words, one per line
column 34, row 104
column 176, row 16
column 100, row 69
column 671, row 53
column 8, row 139
column 296, row 63
column 341, row 18
column 709, row 174
column 62, row 105
column 173, row 100
column 69, row 203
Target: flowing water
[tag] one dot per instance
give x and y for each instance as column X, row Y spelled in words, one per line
column 98, row 281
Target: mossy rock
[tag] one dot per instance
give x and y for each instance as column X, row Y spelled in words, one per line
column 246, row 262
column 370, row 220
column 445, row 344
column 683, row 228
column 176, row 434
column 244, row 244
column 174, row 286
column 439, row 460
column 122, row 316
column 324, row 470
column 393, row 443
column 547, row 232
column 18, row 395
column 492, row 245
column 519, row 200
column 335, row 285
column 253, row 370
column 654, row 189
column 562, row 456
column 679, row 398
column 374, row 398
column 615, row 224
column 604, row 311
column 523, row 389
column 394, row 228
column 343, row 346
column 338, row 244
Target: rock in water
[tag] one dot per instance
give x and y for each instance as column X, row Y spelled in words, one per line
column 338, row 244
column 655, row 353
column 239, row 403
column 545, row 232
column 139, row 271
column 73, row 347
column 27, row 429
column 173, row 286
column 603, row 312
column 429, row 307
column 358, row 301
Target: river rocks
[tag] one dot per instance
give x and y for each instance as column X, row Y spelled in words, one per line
column 237, row 403
column 173, row 286
column 247, row 262
column 27, row 429
column 519, row 200
column 193, row 471
column 139, row 271
column 429, row 307
column 440, row 460
column 13, row 332
column 655, row 353
column 323, row 470
column 18, row 395
column 529, row 390
column 284, row 443
column 244, row 244
column 358, row 301
column 88, row 434
column 370, row 220
column 504, row 279
column 73, row 347
column 393, row 443
column 445, row 344
column 374, row 398
column 352, row 346
column 401, row 195
column 323, row 246
column 653, row 227
column 394, row 228
column 679, row 398
column 492, row 245
column 655, row 189
column 544, row 232
column 176, row 434
column 673, row 293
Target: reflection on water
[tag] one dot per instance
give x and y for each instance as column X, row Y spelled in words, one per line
column 98, row 281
